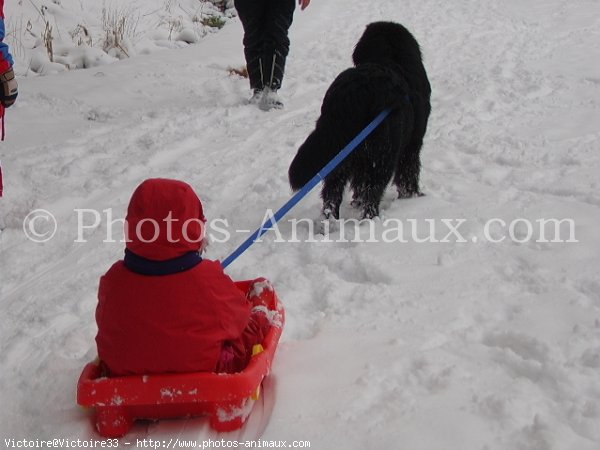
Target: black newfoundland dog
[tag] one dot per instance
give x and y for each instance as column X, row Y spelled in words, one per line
column 387, row 73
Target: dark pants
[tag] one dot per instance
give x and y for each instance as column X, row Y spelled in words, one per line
column 266, row 42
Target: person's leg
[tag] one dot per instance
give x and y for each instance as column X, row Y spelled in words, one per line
column 276, row 42
column 252, row 14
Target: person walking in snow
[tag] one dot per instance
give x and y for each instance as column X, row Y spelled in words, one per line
column 8, row 83
column 164, row 308
column 266, row 45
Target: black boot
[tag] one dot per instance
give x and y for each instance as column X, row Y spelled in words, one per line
column 270, row 99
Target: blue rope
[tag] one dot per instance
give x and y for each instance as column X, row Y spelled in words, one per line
column 330, row 166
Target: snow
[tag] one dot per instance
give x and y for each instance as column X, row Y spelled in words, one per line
column 86, row 34
column 417, row 345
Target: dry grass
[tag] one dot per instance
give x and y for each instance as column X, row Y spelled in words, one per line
column 81, row 36
column 47, row 39
column 119, row 25
column 239, row 71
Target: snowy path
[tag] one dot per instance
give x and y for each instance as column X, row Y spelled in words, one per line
column 472, row 345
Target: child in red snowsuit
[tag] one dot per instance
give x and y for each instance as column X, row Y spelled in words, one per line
column 164, row 308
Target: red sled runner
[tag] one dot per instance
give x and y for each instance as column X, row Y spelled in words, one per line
column 226, row 398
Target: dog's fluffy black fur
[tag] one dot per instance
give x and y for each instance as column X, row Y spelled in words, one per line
column 388, row 73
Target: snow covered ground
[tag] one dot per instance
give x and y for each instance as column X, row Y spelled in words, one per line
column 458, row 345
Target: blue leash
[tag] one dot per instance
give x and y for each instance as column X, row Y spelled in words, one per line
column 307, row 187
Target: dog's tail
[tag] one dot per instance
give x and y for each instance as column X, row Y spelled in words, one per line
column 308, row 161
column 312, row 156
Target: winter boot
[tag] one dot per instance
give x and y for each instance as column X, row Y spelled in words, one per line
column 256, row 97
column 270, row 100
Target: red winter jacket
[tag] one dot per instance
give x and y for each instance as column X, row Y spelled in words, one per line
column 164, row 309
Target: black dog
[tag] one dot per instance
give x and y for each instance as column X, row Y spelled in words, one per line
column 388, row 73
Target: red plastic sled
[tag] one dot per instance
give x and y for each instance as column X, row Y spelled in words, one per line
column 226, row 398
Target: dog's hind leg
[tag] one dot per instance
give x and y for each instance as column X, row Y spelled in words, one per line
column 332, row 195
column 368, row 188
column 372, row 171
column 370, row 197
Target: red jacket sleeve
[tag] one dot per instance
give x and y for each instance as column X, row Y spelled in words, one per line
column 232, row 307
column 6, row 61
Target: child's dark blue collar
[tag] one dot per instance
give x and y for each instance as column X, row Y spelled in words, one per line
column 144, row 266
